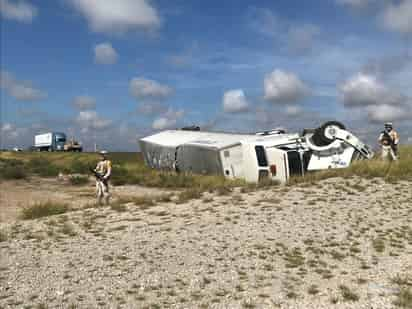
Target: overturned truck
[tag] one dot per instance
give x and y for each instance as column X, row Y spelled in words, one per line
column 274, row 155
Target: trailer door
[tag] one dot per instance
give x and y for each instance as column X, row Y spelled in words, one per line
column 278, row 164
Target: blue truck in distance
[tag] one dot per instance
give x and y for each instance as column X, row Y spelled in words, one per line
column 55, row 141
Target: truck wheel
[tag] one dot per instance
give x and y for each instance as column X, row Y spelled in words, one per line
column 319, row 138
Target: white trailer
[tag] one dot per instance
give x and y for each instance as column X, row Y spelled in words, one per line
column 51, row 141
column 272, row 155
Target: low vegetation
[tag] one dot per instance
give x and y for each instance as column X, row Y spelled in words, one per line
column 46, row 209
column 129, row 168
column 348, row 294
column 404, row 295
column 3, row 236
column 12, row 169
column 78, row 180
column 404, row 298
column 391, row 171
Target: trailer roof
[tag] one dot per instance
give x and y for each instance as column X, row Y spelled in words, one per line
column 174, row 138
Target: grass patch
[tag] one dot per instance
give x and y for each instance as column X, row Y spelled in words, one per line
column 119, row 207
column 41, row 210
column 3, row 236
column 68, row 229
column 348, row 294
column 391, row 171
column 129, row 168
column 12, row 169
column 79, row 180
column 42, row 167
column 379, row 244
column 404, row 298
column 294, row 258
column 189, row 194
column 313, row 289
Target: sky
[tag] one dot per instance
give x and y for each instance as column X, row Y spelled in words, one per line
column 111, row 72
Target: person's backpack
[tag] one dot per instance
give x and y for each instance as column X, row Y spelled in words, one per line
column 386, row 138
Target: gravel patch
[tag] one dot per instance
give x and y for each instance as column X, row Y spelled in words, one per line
column 337, row 244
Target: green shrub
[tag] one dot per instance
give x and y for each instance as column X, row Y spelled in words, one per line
column 42, row 167
column 46, row 209
column 120, row 176
column 79, row 180
column 79, row 167
column 12, row 169
column 12, row 172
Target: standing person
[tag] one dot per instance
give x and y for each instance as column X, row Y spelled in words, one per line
column 389, row 140
column 103, row 171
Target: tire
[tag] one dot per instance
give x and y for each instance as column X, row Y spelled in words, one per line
column 319, row 138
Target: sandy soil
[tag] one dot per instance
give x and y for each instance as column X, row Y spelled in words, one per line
column 14, row 195
column 336, row 244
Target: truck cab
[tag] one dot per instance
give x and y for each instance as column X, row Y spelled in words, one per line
column 268, row 162
column 261, row 163
column 59, row 140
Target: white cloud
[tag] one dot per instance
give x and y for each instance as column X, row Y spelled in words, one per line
column 21, row 10
column 84, row 102
column 168, row 120
column 301, row 38
column 162, row 123
column 118, row 16
column 398, row 17
column 151, row 108
column 234, row 101
column 382, row 113
column 363, row 90
column 20, row 90
column 284, row 87
column 142, row 88
column 89, row 119
column 293, row 110
column 10, row 132
column 104, row 53
column 376, row 99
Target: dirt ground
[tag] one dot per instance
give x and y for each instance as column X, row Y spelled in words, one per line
column 336, row 244
column 14, row 195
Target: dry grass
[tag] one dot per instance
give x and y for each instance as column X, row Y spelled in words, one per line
column 46, row 209
column 129, row 168
column 3, row 236
column 391, row 171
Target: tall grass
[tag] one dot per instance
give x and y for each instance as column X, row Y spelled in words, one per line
column 375, row 168
column 42, row 167
column 46, row 209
